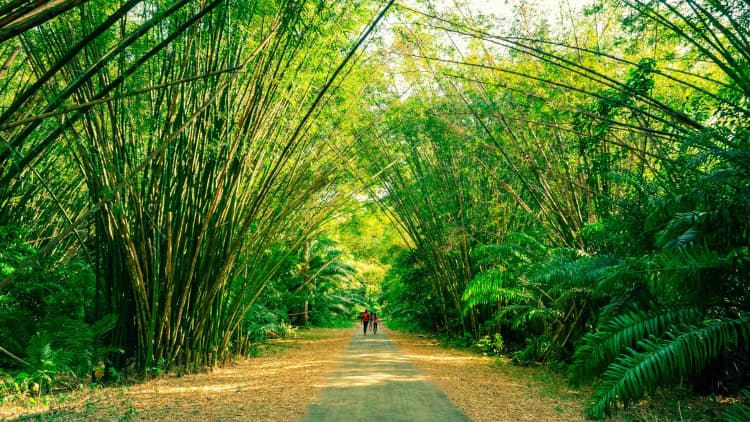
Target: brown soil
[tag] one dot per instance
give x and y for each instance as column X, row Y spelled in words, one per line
column 281, row 384
column 490, row 389
column 277, row 386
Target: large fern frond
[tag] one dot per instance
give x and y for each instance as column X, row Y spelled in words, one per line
column 518, row 250
column 519, row 316
column 569, row 269
column 493, row 286
column 689, row 273
column 623, row 331
column 685, row 351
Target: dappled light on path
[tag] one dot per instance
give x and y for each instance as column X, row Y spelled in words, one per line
column 375, row 381
column 277, row 386
column 370, row 379
column 491, row 389
column 378, row 368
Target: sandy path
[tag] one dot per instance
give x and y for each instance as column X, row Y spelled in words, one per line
column 374, row 381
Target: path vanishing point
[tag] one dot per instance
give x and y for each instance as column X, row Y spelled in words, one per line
column 373, row 381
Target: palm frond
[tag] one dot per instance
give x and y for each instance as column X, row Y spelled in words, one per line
column 484, row 288
column 519, row 316
column 685, row 350
column 517, row 249
column 574, row 270
column 681, row 229
column 688, row 259
column 104, row 325
column 497, row 285
column 621, row 332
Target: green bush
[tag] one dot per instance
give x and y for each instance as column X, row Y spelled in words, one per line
column 490, row 345
column 43, row 319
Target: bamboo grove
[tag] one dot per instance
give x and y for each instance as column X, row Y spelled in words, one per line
column 575, row 195
column 167, row 147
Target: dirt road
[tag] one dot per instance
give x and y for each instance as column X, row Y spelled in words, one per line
column 374, row 381
column 329, row 374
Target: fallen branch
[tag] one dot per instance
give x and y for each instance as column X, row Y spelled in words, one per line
column 2, row 349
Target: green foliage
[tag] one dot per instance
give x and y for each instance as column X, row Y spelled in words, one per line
column 579, row 197
column 315, row 286
column 739, row 411
column 64, row 351
column 621, row 333
column 493, row 286
column 407, row 296
column 43, row 319
column 158, row 368
column 685, row 350
column 490, row 345
column 627, row 175
column 212, row 174
column 501, row 269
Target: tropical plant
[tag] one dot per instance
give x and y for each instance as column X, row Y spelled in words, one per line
column 46, row 323
column 319, row 285
column 739, row 412
column 407, row 297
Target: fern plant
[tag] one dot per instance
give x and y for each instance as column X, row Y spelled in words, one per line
column 69, row 347
column 683, row 350
column 622, row 333
column 501, row 271
column 545, row 295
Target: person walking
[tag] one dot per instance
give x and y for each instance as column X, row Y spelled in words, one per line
column 375, row 322
column 365, row 321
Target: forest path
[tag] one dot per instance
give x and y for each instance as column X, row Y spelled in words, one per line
column 329, row 374
column 374, row 381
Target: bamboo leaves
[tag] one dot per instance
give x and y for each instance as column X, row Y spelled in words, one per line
column 627, row 148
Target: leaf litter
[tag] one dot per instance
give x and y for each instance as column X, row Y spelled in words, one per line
column 287, row 377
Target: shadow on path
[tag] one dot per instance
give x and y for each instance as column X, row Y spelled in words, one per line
column 375, row 382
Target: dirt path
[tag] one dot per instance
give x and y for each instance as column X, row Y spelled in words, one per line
column 277, row 386
column 328, row 374
column 376, row 382
column 488, row 389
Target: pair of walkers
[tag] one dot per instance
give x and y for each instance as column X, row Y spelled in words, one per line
column 367, row 319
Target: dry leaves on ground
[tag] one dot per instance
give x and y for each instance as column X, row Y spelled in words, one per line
column 275, row 387
column 281, row 384
column 487, row 389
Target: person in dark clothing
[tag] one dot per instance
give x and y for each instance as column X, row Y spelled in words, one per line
column 375, row 322
column 365, row 321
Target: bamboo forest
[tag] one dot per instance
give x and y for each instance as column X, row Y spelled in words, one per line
column 562, row 186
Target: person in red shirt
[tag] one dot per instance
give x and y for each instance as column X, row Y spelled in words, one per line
column 365, row 321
